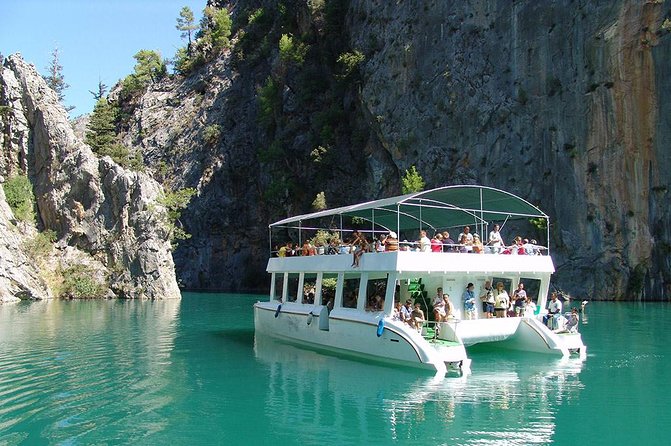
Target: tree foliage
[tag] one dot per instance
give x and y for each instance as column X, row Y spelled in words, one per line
column 175, row 202
column 55, row 78
column 101, row 135
column 20, row 198
column 412, row 181
column 186, row 24
column 148, row 69
column 292, row 50
column 80, row 282
column 101, row 92
column 216, row 28
column 319, row 202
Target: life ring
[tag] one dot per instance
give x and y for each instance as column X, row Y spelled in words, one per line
column 380, row 327
column 277, row 312
column 310, row 316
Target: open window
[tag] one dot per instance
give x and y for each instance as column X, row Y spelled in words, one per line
column 350, row 291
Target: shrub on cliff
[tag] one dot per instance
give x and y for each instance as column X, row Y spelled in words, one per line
column 80, row 282
column 20, row 198
column 412, row 181
column 150, row 67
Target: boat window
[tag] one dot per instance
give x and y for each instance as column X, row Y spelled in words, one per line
column 292, row 290
column 350, row 292
column 279, row 283
column 532, row 287
column 329, row 282
column 375, row 292
column 309, row 288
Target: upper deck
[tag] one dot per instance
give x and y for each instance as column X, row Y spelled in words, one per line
column 407, row 261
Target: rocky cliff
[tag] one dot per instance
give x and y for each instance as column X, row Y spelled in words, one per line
column 103, row 216
column 560, row 102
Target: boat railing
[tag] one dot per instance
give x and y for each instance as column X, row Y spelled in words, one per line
column 406, row 246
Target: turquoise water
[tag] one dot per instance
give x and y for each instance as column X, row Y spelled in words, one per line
column 191, row 372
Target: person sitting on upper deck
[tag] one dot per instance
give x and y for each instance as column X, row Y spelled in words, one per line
column 478, row 247
column 437, row 243
column 469, row 236
column 380, row 243
column 528, row 247
column 333, row 247
column 448, row 243
column 536, row 250
column 495, row 240
column 391, row 242
column 424, row 243
column 359, row 245
column 464, row 244
column 516, row 248
column 285, row 251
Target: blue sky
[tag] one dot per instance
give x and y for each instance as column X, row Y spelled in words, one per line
column 96, row 39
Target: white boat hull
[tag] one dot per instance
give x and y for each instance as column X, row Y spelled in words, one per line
column 355, row 333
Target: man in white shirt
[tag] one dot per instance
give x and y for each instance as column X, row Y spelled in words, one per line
column 554, row 310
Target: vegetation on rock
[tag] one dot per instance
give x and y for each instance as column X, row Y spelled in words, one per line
column 412, row 181
column 20, row 198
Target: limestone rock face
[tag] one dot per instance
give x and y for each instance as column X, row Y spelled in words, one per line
column 92, row 204
column 19, row 279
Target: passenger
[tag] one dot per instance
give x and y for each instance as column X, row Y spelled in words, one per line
column 535, row 247
column 448, row 243
column 424, row 243
column 283, row 250
column 418, row 316
column 554, row 309
column 305, row 250
column 467, row 233
column 464, row 244
column 530, row 308
column 380, row 243
column 396, row 312
column 488, row 300
column 520, row 297
column 333, row 247
column 495, row 240
column 517, row 247
column 449, row 306
column 469, row 301
column 528, row 247
column 391, row 242
column 439, row 313
column 359, row 245
column 406, row 313
column 478, row 247
column 572, row 324
column 404, row 245
column 502, row 301
column 437, row 243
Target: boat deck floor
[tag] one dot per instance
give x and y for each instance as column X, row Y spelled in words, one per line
column 430, row 335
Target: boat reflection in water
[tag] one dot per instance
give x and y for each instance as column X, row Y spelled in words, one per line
column 511, row 398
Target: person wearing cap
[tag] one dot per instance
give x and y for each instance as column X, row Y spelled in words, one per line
column 469, row 301
column 391, row 242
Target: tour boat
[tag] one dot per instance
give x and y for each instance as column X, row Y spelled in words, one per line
column 345, row 303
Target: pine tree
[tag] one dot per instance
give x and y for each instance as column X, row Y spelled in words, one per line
column 185, row 23
column 102, row 90
column 101, row 129
column 55, row 79
column 412, row 181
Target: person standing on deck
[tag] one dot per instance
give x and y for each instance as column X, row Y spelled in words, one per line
column 469, row 301
column 502, row 301
column 488, row 300
column 439, row 313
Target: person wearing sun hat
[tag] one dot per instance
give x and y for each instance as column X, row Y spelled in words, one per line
column 391, row 242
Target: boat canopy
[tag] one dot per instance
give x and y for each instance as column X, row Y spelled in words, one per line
column 442, row 207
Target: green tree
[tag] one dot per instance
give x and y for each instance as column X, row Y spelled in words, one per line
column 175, row 202
column 292, row 51
column 102, row 90
column 101, row 129
column 216, row 27
column 350, row 62
column 185, row 23
column 149, row 68
column 20, row 198
column 412, row 181
column 55, row 78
